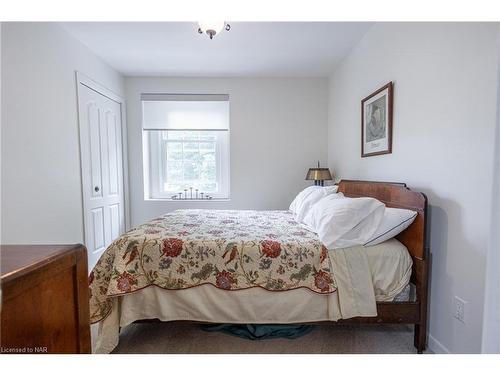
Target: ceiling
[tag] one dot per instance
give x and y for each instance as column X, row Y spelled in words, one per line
column 249, row 49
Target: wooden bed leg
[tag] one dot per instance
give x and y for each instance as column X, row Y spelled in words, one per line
column 420, row 337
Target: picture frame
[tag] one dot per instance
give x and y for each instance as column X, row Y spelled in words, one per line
column 376, row 122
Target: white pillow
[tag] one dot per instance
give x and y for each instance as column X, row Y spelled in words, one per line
column 346, row 222
column 331, row 188
column 299, row 199
column 394, row 221
column 311, row 200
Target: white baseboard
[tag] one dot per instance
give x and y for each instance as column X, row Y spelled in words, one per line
column 436, row 346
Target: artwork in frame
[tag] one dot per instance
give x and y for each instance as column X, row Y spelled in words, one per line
column 376, row 122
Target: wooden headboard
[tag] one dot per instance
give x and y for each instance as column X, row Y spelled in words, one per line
column 399, row 196
column 415, row 239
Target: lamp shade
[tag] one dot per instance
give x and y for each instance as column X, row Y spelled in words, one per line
column 318, row 174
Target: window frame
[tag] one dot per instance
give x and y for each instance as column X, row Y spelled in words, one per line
column 156, row 153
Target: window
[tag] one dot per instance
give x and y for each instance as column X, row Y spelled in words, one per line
column 186, row 139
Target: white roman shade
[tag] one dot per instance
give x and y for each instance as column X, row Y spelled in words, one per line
column 185, row 111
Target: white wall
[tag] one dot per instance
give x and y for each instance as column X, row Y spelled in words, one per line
column 277, row 131
column 41, row 182
column 491, row 326
column 445, row 81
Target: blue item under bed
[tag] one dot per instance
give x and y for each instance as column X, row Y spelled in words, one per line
column 260, row 331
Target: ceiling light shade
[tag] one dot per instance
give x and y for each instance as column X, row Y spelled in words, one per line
column 212, row 28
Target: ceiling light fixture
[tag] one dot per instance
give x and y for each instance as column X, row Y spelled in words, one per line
column 212, row 28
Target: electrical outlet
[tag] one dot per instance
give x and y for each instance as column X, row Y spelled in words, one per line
column 459, row 312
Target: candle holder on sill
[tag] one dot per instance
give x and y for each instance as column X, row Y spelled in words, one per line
column 191, row 194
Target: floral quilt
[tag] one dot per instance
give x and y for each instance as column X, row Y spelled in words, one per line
column 231, row 250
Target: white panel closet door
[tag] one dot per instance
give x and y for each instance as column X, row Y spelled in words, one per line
column 102, row 170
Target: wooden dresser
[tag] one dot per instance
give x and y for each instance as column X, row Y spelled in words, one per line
column 45, row 304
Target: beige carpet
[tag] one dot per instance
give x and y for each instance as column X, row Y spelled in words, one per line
column 188, row 338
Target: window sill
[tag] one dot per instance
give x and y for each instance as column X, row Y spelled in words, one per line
column 186, row 200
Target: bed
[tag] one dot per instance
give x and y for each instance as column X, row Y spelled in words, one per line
column 260, row 267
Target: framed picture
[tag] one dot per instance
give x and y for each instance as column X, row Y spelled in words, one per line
column 376, row 122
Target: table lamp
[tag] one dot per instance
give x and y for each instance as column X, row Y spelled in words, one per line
column 319, row 175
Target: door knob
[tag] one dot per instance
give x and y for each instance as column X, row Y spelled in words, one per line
column 96, row 189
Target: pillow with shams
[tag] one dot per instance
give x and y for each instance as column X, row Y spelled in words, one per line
column 394, row 221
column 345, row 222
column 299, row 199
